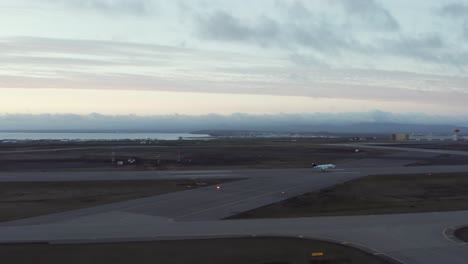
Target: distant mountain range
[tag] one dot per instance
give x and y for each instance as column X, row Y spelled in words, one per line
column 318, row 129
column 374, row 122
column 389, row 128
column 364, row 128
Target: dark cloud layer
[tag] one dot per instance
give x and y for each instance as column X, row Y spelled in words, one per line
column 304, row 33
column 457, row 9
column 372, row 13
column 309, row 33
column 459, row 12
column 221, row 25
column 430, row 48
column 316, row 34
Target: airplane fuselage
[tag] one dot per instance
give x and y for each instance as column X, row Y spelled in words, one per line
column 323, row 166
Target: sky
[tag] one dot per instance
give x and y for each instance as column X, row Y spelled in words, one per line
column 199, row 57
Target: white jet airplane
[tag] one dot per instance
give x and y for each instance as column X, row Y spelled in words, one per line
column 323, row 166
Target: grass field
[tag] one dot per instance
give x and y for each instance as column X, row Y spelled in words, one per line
column 444, row 159
column 459, row 145
column 207, row 251
column 27, row 199
column 376, row 195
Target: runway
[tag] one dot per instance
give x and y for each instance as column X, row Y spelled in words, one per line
column 411, row 238
column 257, row 188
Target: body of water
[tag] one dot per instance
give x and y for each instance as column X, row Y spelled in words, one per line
column 97, row 136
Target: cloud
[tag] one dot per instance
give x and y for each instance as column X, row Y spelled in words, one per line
column 457, row 11
column 454, row 10
column 426, row 48
column 317, row 37
column 223, row 26
column 54, row 54
column 91, row 64
column 127, row 7
column 309, row 61
column 465, row 30
column 369, row 14
column 31, row 45
column 305, row 32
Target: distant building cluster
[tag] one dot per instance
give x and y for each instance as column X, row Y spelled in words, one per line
column 429, row 137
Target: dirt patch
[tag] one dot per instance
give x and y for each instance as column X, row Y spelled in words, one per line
column 207, row 251
column 27, row 199
column 376, row 195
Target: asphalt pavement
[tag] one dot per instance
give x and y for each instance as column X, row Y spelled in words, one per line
column 411, row 238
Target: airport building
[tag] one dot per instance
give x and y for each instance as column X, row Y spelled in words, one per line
column 429, row 137
column 400, row 137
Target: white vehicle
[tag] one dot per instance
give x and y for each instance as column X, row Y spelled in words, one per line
column 323, row 167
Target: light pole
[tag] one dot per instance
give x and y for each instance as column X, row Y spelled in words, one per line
column 158, row 159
